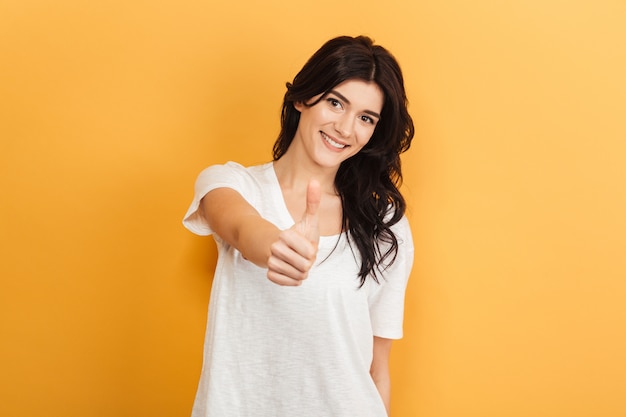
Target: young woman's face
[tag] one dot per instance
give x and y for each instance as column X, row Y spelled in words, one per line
column 340, row 124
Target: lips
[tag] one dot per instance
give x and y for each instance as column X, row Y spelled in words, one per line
column 331, row 142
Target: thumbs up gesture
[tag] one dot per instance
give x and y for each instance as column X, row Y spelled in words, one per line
column 294, row 253
column 309, row 225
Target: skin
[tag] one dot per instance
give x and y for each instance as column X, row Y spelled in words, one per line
column 329, row 132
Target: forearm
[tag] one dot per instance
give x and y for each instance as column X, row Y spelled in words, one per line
column 287, row 254
column 235, row 221
column 253, row 239
column 383, row 384
column 380, row 369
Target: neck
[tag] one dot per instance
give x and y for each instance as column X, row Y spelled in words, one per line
column 295, row 174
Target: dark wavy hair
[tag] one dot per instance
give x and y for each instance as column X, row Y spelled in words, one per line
column 367, row 182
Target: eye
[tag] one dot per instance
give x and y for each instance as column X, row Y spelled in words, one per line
column 367, row 119
column 334, row 102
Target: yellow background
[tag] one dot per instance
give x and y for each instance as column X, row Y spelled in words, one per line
column 516, row 183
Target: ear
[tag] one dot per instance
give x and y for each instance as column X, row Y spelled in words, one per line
column 298, row 105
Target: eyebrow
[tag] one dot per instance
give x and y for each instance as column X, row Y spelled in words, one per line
column 341, row 96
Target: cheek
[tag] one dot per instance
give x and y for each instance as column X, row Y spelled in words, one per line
column 325, row 114
column 365, row 134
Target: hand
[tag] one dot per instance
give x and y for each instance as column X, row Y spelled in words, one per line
column 294, row 253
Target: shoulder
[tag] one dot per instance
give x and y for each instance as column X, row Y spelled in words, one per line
column 399, row 225
column 402, row 230
column 232, row 173
column 227, row 169
column 250, row 182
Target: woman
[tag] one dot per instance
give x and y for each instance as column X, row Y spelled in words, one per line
column 314, row 248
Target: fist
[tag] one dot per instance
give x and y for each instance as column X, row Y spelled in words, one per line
column 294, row 253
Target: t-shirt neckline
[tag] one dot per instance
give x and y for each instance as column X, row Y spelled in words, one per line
column 282, row 205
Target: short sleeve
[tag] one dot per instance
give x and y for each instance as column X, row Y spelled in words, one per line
column 386, row 299
column 229, row 175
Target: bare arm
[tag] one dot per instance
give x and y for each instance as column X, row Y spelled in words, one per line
column 288, row 254
column 380, row 369
column 231, row 217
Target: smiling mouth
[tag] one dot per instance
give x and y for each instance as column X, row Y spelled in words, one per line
column 332, row 142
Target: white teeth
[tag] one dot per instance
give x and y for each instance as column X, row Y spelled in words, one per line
column 332, row 142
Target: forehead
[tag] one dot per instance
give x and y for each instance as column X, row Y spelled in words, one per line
column 365, row 95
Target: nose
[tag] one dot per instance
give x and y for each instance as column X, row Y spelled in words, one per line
column 344, row 125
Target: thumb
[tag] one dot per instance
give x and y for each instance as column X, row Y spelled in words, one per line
column 310, row 221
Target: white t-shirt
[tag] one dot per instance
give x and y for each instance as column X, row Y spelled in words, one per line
column 306, row 351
